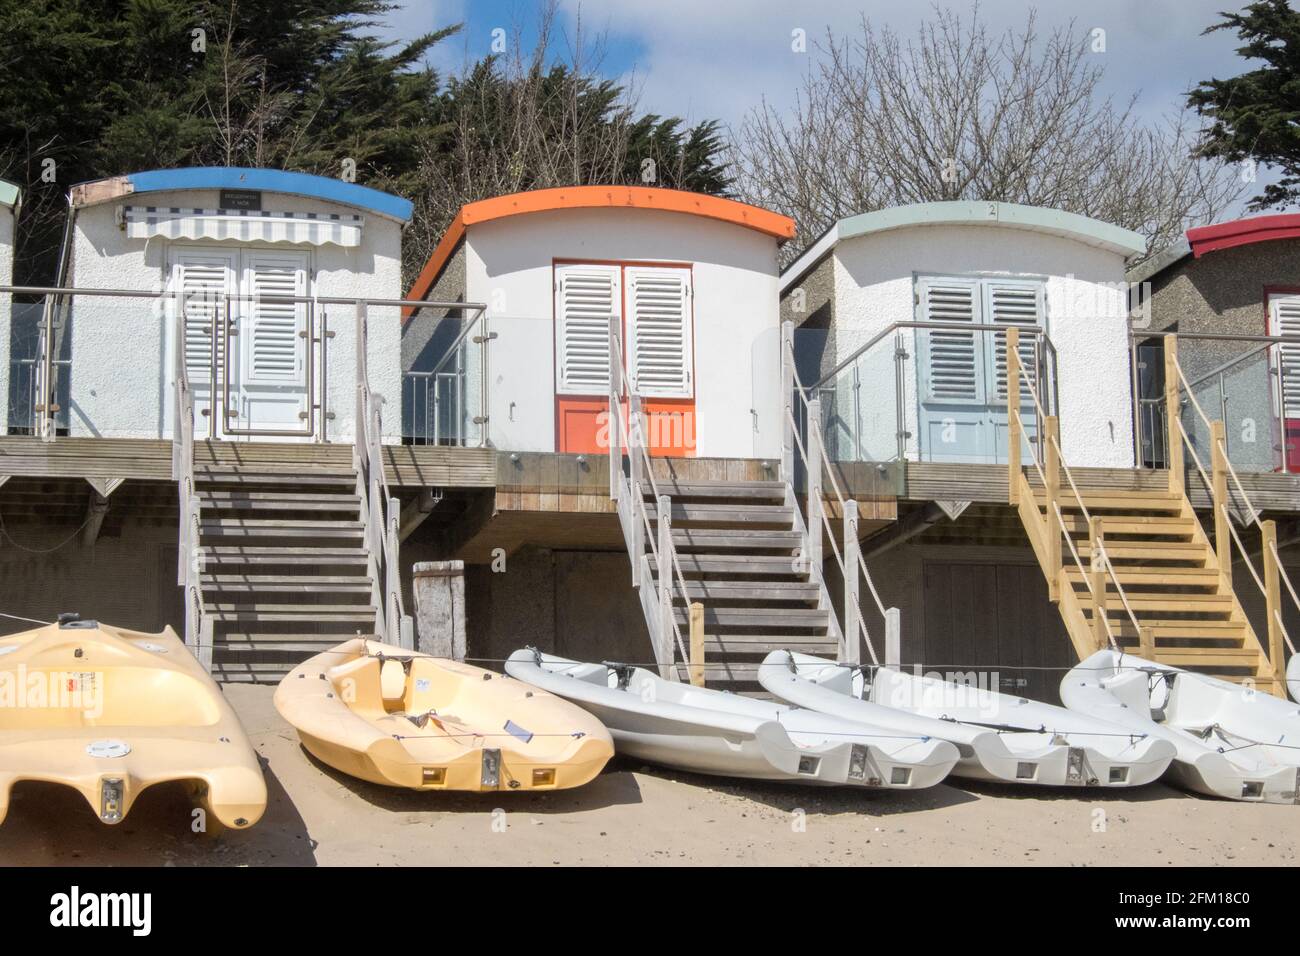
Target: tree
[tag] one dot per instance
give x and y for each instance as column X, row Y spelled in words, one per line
column 956, row 113
column 537, row 118
column 94, row 88
column 1255, row 117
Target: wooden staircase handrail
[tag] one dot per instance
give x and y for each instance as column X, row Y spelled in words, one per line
column 1103, row 567
column 1226, row 534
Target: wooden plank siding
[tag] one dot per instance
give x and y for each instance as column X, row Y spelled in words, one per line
column 930, row 481
column 151, row 459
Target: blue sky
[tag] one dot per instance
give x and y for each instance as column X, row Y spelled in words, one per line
column 718, row 58
column 704, row 59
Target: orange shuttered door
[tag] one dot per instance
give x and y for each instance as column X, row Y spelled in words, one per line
column 651, row 306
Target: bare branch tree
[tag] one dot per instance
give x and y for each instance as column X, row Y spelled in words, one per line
column 955, row 113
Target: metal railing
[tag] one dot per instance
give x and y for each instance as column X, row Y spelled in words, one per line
column 1221, row 480
column 887, row 374
column 216, row 316
column 380, row 510
column 1248, row 386
column 852, row 568
column 189, row 564
column 654, row 589
column 434, row 400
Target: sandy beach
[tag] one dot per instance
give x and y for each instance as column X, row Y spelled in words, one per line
column 638, row 815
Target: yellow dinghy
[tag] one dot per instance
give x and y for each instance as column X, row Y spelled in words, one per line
column 404, row 719
column 111, row 712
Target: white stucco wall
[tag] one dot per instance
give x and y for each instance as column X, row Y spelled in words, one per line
column 509, row 266
column 6, row 304
column 875, row 281
column 122, row 351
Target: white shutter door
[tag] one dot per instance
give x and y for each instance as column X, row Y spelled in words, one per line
column 1284, row 314
column 950, row 360
column 659, row 331
column 586, row 299
column 1019, row 304
column 202, row 280
column 274, row 353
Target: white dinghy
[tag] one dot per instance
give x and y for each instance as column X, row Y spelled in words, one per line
column 709, row 731
column 1232, row 741
column 1001, row 738
column 1293, row 677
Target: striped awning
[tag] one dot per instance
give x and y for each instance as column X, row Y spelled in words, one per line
column 242, row 225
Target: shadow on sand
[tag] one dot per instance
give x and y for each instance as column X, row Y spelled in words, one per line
column 52, row 825
column 611, row 788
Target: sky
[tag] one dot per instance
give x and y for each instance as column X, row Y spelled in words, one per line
column 719, row 59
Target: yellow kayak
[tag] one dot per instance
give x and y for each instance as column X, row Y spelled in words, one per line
column 403, row 719
column 111, row 712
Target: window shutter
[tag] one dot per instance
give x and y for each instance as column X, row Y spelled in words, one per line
column 1285, row 314
column 950, row 360
column 202, row 281
column 1019, row 304
column 586, row 299
column 659, row 330
column 274, row 353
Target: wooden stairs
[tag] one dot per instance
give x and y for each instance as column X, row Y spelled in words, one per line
column 1187, row 613
column 283, row 565
column 739, row 551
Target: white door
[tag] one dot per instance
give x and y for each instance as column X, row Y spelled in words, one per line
column 204, row 278
column 269, row 352
column 265, row 389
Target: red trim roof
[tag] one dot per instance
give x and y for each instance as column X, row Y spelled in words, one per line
column 1243, row 232
column 596, row 197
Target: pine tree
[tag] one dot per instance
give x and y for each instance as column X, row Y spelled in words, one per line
column 1256, row 116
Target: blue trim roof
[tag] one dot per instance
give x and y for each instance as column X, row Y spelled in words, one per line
column 273, row 180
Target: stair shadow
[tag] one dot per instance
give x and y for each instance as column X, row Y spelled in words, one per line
column 788, row 797
column 52, row 825
column 610, row 789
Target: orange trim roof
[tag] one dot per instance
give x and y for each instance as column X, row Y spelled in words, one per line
column 596, row 197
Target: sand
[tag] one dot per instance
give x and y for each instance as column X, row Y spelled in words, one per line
column 638, row 815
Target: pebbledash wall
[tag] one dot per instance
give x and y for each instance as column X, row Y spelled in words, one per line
column 120, row 345
column 1223, row 279
column 862, row 276
column 509, row 263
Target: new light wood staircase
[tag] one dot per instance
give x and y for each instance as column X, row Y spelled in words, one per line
column 1187, row 613
column 738, row 548
column 1135, row 569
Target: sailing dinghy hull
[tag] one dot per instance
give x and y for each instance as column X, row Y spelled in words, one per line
column 1231, row 741
column 986, row 753
column 403, row 719
column 111, row 712
column 711, row 732
column 905, row 704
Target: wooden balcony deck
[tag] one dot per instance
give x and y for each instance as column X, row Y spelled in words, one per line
column 151, row 459
column 930, row 481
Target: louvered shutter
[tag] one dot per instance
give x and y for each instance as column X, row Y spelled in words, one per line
column 1284, row 312
column 952, row 370
column 586, row 299
column 659, row 331
column 1019, row 304
column 202, row 280
column 274, row 353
